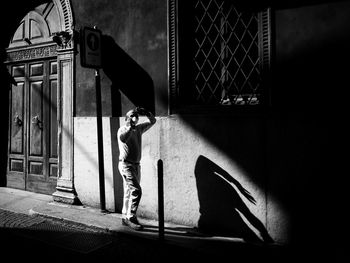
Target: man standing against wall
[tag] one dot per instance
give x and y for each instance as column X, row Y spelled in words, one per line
column 130, row 144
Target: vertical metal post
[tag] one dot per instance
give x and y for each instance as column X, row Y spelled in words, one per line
column 100, row 142
column 160, row 200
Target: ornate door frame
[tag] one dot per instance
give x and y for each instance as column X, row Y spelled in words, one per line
column 64, row 48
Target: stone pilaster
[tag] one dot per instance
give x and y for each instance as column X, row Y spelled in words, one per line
column 65, row 191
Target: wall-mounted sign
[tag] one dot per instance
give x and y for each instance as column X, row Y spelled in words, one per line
column 90, row 45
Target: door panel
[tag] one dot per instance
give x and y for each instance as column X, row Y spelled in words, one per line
column 53, row 125
column 17, row 118
column 53, row 120
column 16, row 156
column 35, row 130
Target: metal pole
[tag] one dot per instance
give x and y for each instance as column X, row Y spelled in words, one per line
column 160, row 200
column 100, row 142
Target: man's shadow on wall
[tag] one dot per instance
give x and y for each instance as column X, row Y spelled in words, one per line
column 130, row 79
column 221, row 206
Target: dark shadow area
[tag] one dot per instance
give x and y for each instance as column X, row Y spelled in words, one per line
column 117, row 179
column 258, row 4
column 127, row 76
column 315, row 74
column 308, row 143
column 42, row 239
column 6, row 81
column 298, row 3
column 198, row 246
column 4, row 98
column 176, row 231
column 221, row 206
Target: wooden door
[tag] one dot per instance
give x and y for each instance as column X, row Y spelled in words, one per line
column 32, row 156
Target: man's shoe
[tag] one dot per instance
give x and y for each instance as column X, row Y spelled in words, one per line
column 132, row 223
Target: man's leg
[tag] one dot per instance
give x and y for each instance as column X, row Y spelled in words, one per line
column 132, row 179
column 126, row 193
column 125, row 199
column 132, row 194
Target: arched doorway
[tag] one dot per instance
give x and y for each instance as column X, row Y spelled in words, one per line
column 40, row 60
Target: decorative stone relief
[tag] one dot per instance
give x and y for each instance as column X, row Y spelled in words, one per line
column 63, row 40
column 32, row 53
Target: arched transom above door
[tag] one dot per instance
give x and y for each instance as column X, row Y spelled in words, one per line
column 37, row 26
column 40, row 24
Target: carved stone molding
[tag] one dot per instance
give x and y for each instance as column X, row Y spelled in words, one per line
column 64, row 7
column 64, row 40
column 172, row 23
column 32, row 53
column 66, row 195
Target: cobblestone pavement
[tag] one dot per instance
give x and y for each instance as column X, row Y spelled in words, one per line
column 44, row 237
column 53, row 240
column 15, row 220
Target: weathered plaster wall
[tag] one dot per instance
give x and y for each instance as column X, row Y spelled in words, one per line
column 201, row 178
column 86, row 167
column 135, row 57
column 287, row 158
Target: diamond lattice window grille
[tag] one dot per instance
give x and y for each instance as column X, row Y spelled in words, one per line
column 226, row 58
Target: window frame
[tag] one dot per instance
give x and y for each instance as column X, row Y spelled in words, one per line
column 177, row 65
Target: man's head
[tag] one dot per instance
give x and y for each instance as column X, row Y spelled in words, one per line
column 132, row 117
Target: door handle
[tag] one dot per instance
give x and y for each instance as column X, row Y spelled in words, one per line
column 36, row 121
column 17, row 120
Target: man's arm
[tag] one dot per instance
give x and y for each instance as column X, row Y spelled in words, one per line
column 151, row 119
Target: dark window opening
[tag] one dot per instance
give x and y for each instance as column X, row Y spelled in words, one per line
column 219, row 54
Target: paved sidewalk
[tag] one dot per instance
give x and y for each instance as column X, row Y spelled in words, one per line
column 43, row 206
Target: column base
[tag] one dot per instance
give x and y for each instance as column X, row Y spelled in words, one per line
column 67, row 196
